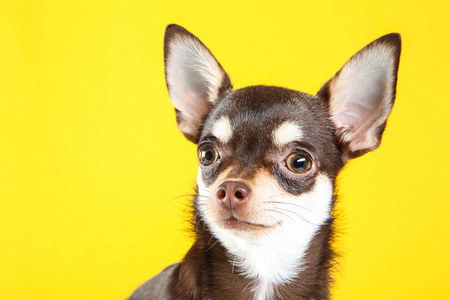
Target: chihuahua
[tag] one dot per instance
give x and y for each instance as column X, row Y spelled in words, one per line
column 268, row 162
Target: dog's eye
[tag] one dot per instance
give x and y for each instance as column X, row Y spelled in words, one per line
column 298, row 163
column 208, row 155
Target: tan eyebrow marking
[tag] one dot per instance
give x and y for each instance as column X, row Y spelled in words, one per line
column 222, row 129
column 286, row 133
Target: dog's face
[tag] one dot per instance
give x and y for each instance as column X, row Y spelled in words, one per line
column 269, row 156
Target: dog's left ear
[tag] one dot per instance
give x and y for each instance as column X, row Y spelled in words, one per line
column 194, row 78
column 361, row 95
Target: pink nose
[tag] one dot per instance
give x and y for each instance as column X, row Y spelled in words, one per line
column 231, row 194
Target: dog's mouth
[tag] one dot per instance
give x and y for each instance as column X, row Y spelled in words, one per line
column 237, row 224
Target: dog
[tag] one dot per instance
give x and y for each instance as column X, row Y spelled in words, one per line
column 268, row 162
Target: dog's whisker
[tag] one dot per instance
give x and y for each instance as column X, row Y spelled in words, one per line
column 210, row 240
column 292, row 218
column 298, row 215
column 212, row 246
column 276, row 195
column 234, row 262
column 293, row 204
column 195, row 217
column 246, row 287
column 177, row 197
column 282, row 214
column 198, row 223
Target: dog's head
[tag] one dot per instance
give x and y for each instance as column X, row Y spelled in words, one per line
column 269, row 156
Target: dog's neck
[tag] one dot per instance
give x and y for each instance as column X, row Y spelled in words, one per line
column 211, row 271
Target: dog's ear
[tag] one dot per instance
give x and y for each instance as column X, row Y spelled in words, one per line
column 361, row 95
column 194, row 78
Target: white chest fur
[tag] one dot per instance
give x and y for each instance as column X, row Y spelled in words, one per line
column 276, row 256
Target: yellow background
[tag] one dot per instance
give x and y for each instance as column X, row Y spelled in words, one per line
column 92, row 166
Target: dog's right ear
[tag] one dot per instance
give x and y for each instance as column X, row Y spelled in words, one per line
column 194, row 78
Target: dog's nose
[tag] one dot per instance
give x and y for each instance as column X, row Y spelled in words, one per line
column 231, row 194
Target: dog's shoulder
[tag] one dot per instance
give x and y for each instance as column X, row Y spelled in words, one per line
column 156, row 288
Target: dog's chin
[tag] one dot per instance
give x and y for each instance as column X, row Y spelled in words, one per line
column 233, row 226
column 233, row 223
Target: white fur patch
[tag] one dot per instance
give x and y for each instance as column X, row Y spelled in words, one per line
column 274, row 257
column 222, row 129
column 286, row 133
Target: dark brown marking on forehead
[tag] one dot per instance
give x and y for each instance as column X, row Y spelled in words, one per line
column 254, row 113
